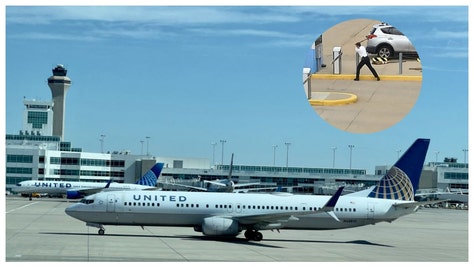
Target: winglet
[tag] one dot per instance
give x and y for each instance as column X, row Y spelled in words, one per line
column 151, row 177
column 108, row 183
column 329, row 206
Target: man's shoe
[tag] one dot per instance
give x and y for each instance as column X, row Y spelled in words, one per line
column 356, row 79
column 378, row 78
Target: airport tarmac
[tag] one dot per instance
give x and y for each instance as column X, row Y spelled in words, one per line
column 39, row 230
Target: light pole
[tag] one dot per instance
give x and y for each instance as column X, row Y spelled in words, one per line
column 213, row 153
column 436, row 154
column 222, row 154
column 274, row 150
column 333, row 156
column 398, row 153
column 350, row 156
column 141, row 151
column 287, row 144
column 102, row 137
column 465, row 152
column 147, row 144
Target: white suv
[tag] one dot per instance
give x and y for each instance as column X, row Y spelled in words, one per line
column 387, row 41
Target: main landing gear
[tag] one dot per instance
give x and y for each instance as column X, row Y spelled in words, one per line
column 251, row 234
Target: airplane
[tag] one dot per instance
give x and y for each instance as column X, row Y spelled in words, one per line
column 228, row 214
column 219, row 185
column 75, row 190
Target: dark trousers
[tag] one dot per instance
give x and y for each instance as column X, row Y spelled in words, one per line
column 365, row 61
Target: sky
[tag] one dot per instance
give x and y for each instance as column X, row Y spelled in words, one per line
column 190, row 76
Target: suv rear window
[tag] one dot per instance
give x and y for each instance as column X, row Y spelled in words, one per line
column 391, row 30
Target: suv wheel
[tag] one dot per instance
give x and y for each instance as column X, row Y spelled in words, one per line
column 385, row 51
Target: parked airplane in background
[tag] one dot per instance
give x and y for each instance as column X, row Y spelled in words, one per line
column 227, row 214
column 218, row 185
column 74, row 190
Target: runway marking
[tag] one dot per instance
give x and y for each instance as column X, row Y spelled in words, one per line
column 19, row 208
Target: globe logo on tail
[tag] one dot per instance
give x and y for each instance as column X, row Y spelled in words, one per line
column 394, row 185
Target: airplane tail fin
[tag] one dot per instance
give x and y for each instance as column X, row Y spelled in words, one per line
column 151, row 176
column 401, row 181
column 229, row 178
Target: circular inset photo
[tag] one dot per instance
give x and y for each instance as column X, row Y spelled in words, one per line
column 362, row 76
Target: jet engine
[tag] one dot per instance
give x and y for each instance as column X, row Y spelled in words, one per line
column 215, row 226
column 73, row 194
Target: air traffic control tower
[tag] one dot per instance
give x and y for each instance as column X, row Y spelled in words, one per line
column 59, row 84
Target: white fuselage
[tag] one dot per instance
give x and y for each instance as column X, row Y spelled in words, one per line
column 166, row 208
column 61, row 187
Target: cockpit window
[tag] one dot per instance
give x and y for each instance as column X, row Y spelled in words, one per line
column 87, row 201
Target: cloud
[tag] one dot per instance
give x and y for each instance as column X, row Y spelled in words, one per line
column 162, row 15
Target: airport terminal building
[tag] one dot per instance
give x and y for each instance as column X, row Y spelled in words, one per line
column 39, row 152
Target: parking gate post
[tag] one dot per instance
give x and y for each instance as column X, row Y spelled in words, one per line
column 336, row 60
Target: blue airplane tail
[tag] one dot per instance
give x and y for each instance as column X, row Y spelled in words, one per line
column 401, row 181
column 151, row 177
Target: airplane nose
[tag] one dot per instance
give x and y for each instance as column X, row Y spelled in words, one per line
column 71, row 210
column 68, row 210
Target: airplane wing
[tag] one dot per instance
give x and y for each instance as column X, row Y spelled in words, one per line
column 88, row 191
column 276, row 220
column 77, row 193
column 187, row 187
column 215, row 183
column 245, row 184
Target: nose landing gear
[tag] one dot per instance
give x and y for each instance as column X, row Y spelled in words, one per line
column 100, row 226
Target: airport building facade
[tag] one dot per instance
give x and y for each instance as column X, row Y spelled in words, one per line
column 39, row 152
column 44, row 158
